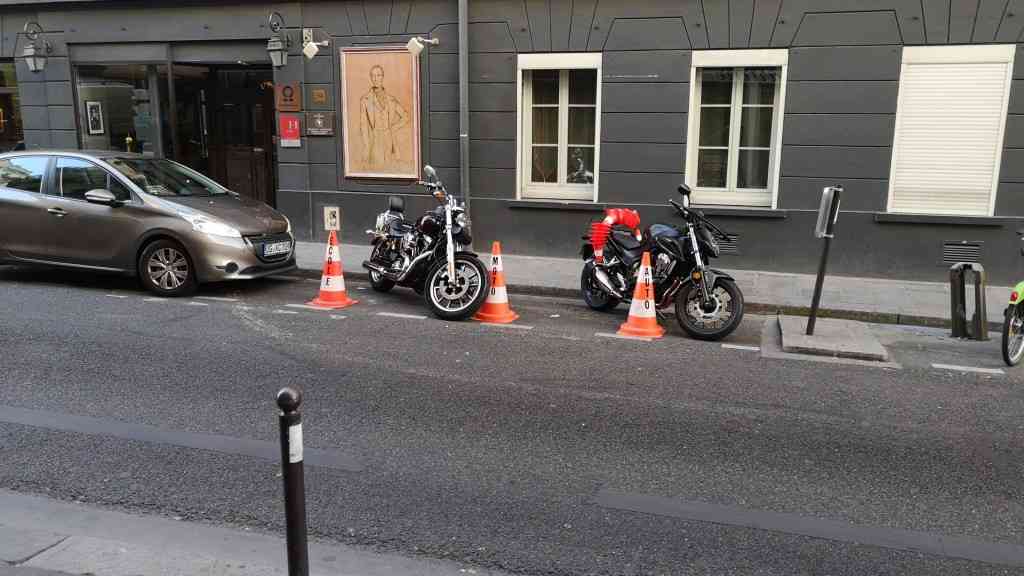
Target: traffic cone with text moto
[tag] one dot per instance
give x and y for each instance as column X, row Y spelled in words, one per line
column 643, row 319
column 496, row 309
column 332, row 283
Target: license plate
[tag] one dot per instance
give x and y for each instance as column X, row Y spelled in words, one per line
column 276, row 248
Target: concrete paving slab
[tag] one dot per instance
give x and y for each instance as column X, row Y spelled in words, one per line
column 837, row 338
column 18, row 544
column 22, row 571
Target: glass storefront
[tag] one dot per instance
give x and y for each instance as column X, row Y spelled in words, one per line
column 11, row 135
column 123, row 107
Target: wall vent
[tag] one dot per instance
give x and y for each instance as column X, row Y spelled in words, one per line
column 954, row 251
column 730, row 245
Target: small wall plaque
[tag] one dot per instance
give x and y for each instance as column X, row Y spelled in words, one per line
column 319, row 123
column 289, row 97
column 319, row 95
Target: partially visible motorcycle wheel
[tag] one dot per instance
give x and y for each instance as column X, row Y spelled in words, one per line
column 593, row 295
column 1013, row 336
column 377, row 280
column 715, row 321
column 460, row 299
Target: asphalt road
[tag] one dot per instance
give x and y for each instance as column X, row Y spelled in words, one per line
column 541, row 450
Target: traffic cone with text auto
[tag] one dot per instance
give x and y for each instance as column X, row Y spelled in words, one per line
column 643, row 320
column 332, row 283
column 496, row 309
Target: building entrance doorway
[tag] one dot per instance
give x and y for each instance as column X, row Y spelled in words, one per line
column 217, row 119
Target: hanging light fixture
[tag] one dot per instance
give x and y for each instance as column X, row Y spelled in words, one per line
column 279, row 41
column 37, row 49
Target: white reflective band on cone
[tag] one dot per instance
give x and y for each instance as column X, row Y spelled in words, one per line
column 637, row 307
column 333, row 254
column 332, row 284
column 498, row 295
column 496, row 263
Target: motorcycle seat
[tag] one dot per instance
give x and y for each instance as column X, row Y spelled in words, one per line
column 626, row 239
column 400, row 227
column 657, row 230
column 1020, row 232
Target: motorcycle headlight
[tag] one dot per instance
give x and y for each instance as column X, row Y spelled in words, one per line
column 208, row 225
column 460, row 219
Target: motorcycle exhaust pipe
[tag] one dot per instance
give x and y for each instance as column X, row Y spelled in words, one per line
column 378, row 269
column 605, row 282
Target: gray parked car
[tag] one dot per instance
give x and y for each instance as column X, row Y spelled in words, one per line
column 109, row 211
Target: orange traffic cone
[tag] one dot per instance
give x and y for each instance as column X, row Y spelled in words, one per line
column 643, row 320
column 332, row 283
column 496, row 309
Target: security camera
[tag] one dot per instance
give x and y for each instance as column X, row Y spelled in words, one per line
column 416, row 44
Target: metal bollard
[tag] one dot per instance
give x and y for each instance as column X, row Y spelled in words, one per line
column 977, row 329
column 288, row 400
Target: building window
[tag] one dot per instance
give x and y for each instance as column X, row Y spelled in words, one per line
column 736, row 107
column 949, row 129
column 123, row 107
column 12, row 137
column 559, row 120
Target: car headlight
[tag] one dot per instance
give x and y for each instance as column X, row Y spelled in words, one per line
column 289, row 222
column 208, row 225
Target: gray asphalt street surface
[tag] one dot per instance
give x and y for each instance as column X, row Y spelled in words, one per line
column 543, row 449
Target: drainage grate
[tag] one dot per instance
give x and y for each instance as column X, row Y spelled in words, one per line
column 961, row 251
column 731, row 245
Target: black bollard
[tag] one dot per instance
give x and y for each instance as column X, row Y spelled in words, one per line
column 288, row 401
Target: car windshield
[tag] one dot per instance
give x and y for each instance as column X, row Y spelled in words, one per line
column 161, row 177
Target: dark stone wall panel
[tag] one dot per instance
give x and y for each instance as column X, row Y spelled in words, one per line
column 990, row 16
column 848, row 29
column 561, row 24
column 647, row 66
column 490, row 37
column 716, row 15
column 626, row 157
column 493, row 182
column 1014, row 136
column 796, row 193
column 839, row 129
column 538, row 14
column 836, row 162
column 1013, row 165
column 845, row 63
column 399, row 16
column 444, row 97
column 491, row 67
column 842, row 97
column 491, row 97
column 511, row 11
column 444, row 125
column 638, row 187
column 295, row 204
column 1010, row 199
column 963, row 14
column 378, row 16
column 582, row 20
column 492, row 125
column 653, row 97
column 936, row 20
column 765, row 14
column 651, row 127
column 741, row 19
column 647, row 34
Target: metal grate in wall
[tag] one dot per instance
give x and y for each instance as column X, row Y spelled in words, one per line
column 954, row 251
column 731, row 245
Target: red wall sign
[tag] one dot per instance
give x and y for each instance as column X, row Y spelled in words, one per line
column 290, row 130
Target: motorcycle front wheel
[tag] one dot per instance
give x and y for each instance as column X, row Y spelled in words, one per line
column 593, row 295
column 460, row 298
column 1013, row 336
column 713, row 321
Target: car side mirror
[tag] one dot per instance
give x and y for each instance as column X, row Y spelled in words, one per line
column 102, row 197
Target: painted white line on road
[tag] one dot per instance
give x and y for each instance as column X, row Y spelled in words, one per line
column 518, row 326
column 154, row 299
column 968, row 369
column 397, row 315
column 741, row 347
column 285, row 312
column 286, row 278
column 116, row 296
column 198, row 304
column 338, row 317
column 217, row 298
column 621, row 337
column 308, row 307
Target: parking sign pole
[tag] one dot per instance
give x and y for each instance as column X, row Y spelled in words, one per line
column 816, row 301
column 828, row 213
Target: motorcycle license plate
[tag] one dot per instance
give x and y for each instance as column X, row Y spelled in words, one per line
column 276, row 248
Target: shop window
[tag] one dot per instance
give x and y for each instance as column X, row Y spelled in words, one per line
column 949, row 129
column 122, row 107
column 12, row 136
column 736, row 107
column 559, row 119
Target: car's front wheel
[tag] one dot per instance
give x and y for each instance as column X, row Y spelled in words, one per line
column 165, row 269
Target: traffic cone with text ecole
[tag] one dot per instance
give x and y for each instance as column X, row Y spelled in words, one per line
column 496, row 309
column 643, row 319
column 332, row 283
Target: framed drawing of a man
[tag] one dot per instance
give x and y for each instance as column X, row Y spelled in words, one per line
column 380, row 106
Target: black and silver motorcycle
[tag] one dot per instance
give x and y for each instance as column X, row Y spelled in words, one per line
column 429, row 255
column 709, row 305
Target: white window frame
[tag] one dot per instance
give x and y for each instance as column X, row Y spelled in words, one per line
column 778, row 58
column 525, row 189
column 970, row 54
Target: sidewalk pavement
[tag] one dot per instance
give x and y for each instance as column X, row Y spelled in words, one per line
column 44, row 537
column 872, row 299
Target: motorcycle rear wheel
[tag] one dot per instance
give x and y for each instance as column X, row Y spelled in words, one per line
column 593, row 295
column 377, row 280
column 710, row 324
column 1013, row 336
column 461, row 299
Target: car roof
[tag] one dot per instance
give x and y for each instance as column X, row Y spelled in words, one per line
column 98, row 154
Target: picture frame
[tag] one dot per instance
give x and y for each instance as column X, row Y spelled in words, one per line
column 94, row 118
column 380, row 107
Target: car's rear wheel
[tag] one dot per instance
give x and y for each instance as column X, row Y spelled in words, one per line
column 165, row 269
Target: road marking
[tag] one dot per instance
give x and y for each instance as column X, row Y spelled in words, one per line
column 519, row 326
column 621, row 337
column 968, row 369
column 145, row 433
column 308, row 307
column 154, row 299
column 116, row 296
column 217, row 298
column 942, row 545
column 338, row 317
column 397, row 315
column 198, row 304
column 741, row 347
column 243, row 307
column 285, row 312
column 286, row 278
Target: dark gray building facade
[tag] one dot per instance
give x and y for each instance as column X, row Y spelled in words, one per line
column 915, row 106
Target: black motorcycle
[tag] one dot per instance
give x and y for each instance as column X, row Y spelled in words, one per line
column 709, row 305
column 429, row 255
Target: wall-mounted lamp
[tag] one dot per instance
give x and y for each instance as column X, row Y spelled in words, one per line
column 311, row 47
column 279, row 41
column 36, row 49
column 416, row 44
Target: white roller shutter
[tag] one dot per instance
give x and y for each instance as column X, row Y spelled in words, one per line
column 949, row 129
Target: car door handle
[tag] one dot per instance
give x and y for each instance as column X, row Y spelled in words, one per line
column 58, row 212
